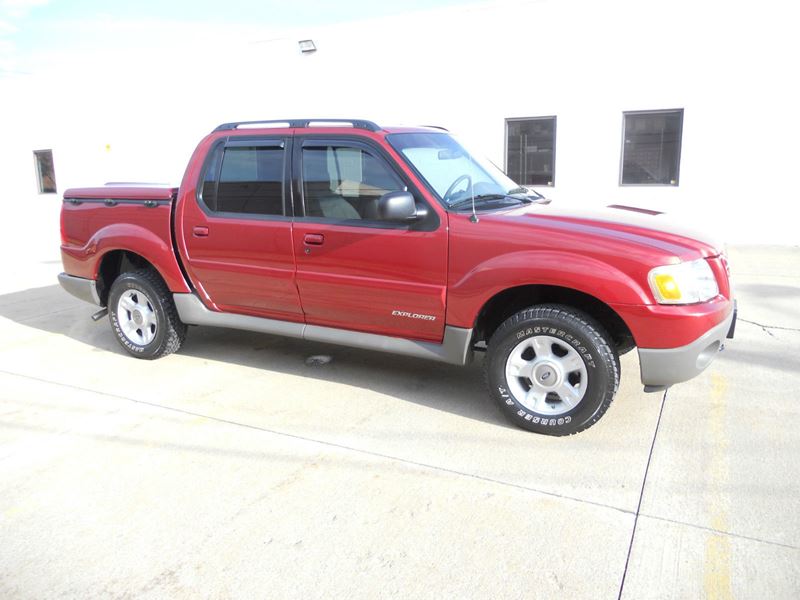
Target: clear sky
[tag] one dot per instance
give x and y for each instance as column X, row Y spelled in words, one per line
column 28, row 27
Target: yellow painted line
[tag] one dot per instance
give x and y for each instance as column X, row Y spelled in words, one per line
column 717, row 559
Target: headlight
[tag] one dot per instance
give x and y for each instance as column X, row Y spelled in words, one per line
column 684, row 283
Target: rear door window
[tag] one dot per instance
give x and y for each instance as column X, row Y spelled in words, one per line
column 245, row 179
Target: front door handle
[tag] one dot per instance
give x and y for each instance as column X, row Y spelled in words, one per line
column 314, row 239
column 200, row 231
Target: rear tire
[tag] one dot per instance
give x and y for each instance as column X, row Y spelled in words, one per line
column 551, row 369
column 143, row 316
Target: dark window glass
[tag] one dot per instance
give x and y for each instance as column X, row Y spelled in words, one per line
column 209, row 190
column 45, row 171
column 250, row 181
column 651, row 149
column 531, row 150
column 341, row 182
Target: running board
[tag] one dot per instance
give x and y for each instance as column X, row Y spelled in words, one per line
column 455, row 348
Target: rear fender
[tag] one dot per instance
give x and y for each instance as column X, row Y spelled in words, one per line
column 85, row 261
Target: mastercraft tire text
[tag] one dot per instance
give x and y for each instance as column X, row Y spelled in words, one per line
column 552, row 370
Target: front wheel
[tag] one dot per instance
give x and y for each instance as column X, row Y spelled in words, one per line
column 552, row 370
column 143, row 315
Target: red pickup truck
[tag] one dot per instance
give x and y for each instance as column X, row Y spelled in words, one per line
column 400, row 240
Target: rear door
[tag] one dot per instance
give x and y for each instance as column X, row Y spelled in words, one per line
column 354, row 270
column 238, row 229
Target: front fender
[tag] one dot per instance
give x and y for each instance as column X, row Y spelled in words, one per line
column 588, row 275
column 85, row 261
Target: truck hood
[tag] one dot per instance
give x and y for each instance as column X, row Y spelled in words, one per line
column 626, row 224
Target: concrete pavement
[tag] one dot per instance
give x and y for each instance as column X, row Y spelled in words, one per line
column 233, row 469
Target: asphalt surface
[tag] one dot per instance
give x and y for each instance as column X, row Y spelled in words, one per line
column 235, row 469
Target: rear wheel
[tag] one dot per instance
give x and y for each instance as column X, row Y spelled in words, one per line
column 552, row 370
column 143, row 315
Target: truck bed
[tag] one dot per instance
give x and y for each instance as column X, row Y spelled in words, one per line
column 132, row 217
column 124, row 191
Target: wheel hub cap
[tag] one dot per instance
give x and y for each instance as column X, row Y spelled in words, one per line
column 137, row 317
column 546, row 375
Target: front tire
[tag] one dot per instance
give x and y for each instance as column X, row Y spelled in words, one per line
column 551, row 369
column 143, row 316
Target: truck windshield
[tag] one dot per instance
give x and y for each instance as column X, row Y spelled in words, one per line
column 456, row 176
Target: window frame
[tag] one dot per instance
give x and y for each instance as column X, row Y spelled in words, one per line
column 247, row 141
column 38, row 170
column 509, row 120
column 429, row 223
column 679, row 150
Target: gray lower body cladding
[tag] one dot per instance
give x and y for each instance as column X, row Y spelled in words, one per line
column 83, row 289
column 665, row 367
column 456, row 348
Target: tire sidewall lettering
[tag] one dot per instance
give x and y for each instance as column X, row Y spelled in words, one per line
column 579, row 345
column 556, row 332
column 589, row 351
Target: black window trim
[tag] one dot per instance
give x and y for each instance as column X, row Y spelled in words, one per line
column 255, row 143
column 555, row 141
column 247, row 141
column 625, row 113
column 430, row 223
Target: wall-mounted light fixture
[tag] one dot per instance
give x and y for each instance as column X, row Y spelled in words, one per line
column 307, row 46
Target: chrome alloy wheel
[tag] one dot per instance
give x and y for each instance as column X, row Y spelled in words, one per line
column 137, row 317
column 546, row 375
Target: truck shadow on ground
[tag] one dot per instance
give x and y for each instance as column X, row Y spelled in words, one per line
column 458, row 390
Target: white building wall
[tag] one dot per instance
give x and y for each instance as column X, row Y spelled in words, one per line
column 134, row 111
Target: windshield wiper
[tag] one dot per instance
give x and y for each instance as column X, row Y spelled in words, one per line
column 487, row 197
column 532, row 195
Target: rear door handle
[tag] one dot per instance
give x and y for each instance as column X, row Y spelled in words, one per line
column 314, row 239
column 200, row 231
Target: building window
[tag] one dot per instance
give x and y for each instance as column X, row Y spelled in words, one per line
column 45, row 172
column 651, row 147
column 531, row 150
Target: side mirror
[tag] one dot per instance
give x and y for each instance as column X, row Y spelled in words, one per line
column 399, row 206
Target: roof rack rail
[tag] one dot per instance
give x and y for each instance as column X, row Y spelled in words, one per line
column 301, row 123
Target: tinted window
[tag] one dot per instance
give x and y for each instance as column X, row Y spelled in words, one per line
column 531, row 150
column 341, row 182
column 651, row 149
column 250, row 181
column 209, row 189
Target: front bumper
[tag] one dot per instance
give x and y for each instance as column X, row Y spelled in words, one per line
column 84, row 289
column 662, row 367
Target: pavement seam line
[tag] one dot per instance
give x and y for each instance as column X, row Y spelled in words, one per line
column 641, row 494
column 406, row 461
column 327, row 443
column 768, row 327
column 720, row 532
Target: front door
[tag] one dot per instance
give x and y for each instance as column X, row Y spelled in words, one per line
column 354, row 270
column 238, row 230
